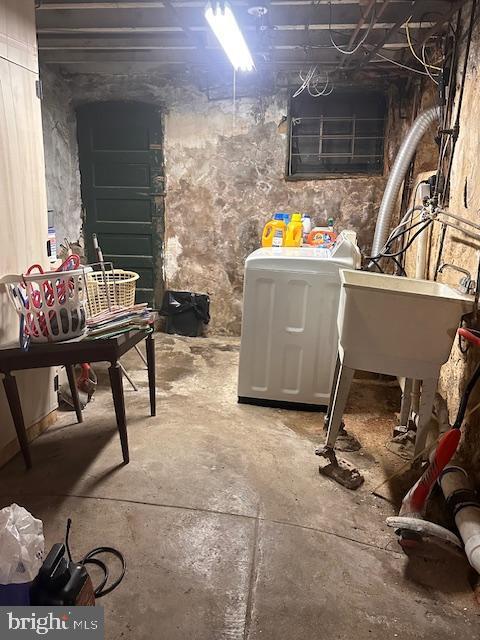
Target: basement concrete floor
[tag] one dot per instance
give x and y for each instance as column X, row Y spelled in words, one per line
column 228, row 530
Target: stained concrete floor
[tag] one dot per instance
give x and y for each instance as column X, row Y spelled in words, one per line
column 228, row 530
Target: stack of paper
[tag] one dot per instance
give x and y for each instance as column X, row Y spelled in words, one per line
column 119, row 320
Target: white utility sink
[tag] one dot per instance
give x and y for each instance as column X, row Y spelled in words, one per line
column 397, row 326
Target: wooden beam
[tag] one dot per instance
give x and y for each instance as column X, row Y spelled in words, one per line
column 166, row 29
column 288, row 39
column 361, row 22
column 194, row 37
column 78, row 6
column 390, row 33
column 346, row 62
column 143, row 66
column 211, row 57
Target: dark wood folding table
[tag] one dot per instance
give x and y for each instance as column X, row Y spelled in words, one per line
column 40, row 356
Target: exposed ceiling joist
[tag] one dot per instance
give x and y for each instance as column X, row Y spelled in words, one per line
column 166, row 29
column 361, row 23
column 319, row 40
column 127, row 68
column 185, row 55
column 407, row 13
column 346, row 16
column 194, row 37
column 158, row 4
column 294, row 33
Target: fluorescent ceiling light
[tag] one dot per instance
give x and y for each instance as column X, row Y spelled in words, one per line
column 221, row 19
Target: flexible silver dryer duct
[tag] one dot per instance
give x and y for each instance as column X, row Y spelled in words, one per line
column 397, row 175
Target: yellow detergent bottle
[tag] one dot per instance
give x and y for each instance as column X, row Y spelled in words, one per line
column 270, row 229
column 294, row 234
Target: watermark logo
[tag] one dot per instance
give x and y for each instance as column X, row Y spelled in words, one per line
column 25, row 623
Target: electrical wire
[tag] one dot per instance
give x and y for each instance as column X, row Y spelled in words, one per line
column 67, row 539
column 400, row 268
column 410, row 242
column 397, row 236
column 416, row 207
column 456, row 126
column 409, row 40
column 448, row 82
column 361, row 41
column 398, row 233
column 399, row 64
column 408, row 217
column 91, row 558
column 427, row 66
column 375, row 262
column 414, row 200
column 324, row 92
column 310, row 83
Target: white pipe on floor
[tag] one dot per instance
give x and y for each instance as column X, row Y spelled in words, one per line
column 467, row 518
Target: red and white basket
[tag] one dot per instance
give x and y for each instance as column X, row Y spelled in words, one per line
column 51, row 305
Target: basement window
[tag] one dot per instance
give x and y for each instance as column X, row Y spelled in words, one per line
column 339, row 134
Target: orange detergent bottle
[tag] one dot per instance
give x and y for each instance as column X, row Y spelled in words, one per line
column 275, row 228
column 294, row 234
column 323, row 236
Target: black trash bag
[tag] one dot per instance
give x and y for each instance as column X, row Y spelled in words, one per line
column 186, row 312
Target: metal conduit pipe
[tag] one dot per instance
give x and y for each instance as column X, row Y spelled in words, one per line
column 397, row 175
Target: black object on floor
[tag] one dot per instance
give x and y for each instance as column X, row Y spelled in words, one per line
column 61, row 581
column 186, row 312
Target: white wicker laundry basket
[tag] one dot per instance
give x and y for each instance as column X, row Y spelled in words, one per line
column 114, row 287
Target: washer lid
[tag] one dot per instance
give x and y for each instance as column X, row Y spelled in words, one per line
column 299, row 258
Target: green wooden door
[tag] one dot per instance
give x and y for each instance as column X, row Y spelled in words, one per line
column 121, row 166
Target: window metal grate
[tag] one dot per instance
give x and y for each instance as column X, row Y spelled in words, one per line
column 332, row 144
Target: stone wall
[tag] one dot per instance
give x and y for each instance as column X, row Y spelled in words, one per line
column 458, row 249
column 225, row 177
column 61, row 157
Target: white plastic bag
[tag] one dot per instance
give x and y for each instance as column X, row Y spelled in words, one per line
column 22, row 545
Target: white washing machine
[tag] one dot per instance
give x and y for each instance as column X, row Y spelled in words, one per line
column 289, row 327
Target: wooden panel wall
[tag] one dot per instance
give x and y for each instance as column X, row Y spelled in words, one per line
column 23, row 203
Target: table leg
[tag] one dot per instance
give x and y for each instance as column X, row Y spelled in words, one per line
column 11, row 390
column 150, row 348
column 74, row 391
column 116, row 383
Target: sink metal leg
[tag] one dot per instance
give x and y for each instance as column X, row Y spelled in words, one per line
column 338, row 365
column 429, row 387
column 406, row 402
column 332, row 467
column 337, row 404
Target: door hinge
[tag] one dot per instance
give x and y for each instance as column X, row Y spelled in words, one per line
column 39, row 89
